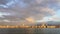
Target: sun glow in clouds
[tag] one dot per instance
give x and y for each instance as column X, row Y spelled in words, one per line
column 30, row 19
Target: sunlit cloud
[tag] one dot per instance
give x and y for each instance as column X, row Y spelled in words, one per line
column 30, row 19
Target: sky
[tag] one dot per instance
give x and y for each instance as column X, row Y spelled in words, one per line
column 18, row 12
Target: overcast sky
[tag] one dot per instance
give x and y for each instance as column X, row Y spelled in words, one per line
column 19, row 12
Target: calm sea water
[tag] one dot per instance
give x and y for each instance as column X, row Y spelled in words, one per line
column 30, row 31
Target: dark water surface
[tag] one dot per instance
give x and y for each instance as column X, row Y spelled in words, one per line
column 30, row 31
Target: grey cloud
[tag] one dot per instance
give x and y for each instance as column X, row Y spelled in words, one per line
column 32, row 8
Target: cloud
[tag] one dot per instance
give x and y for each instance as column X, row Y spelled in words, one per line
column 36, row 9
column 48, row 10
column 39, row 1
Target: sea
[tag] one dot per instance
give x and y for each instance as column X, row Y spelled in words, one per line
column 29, row 30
